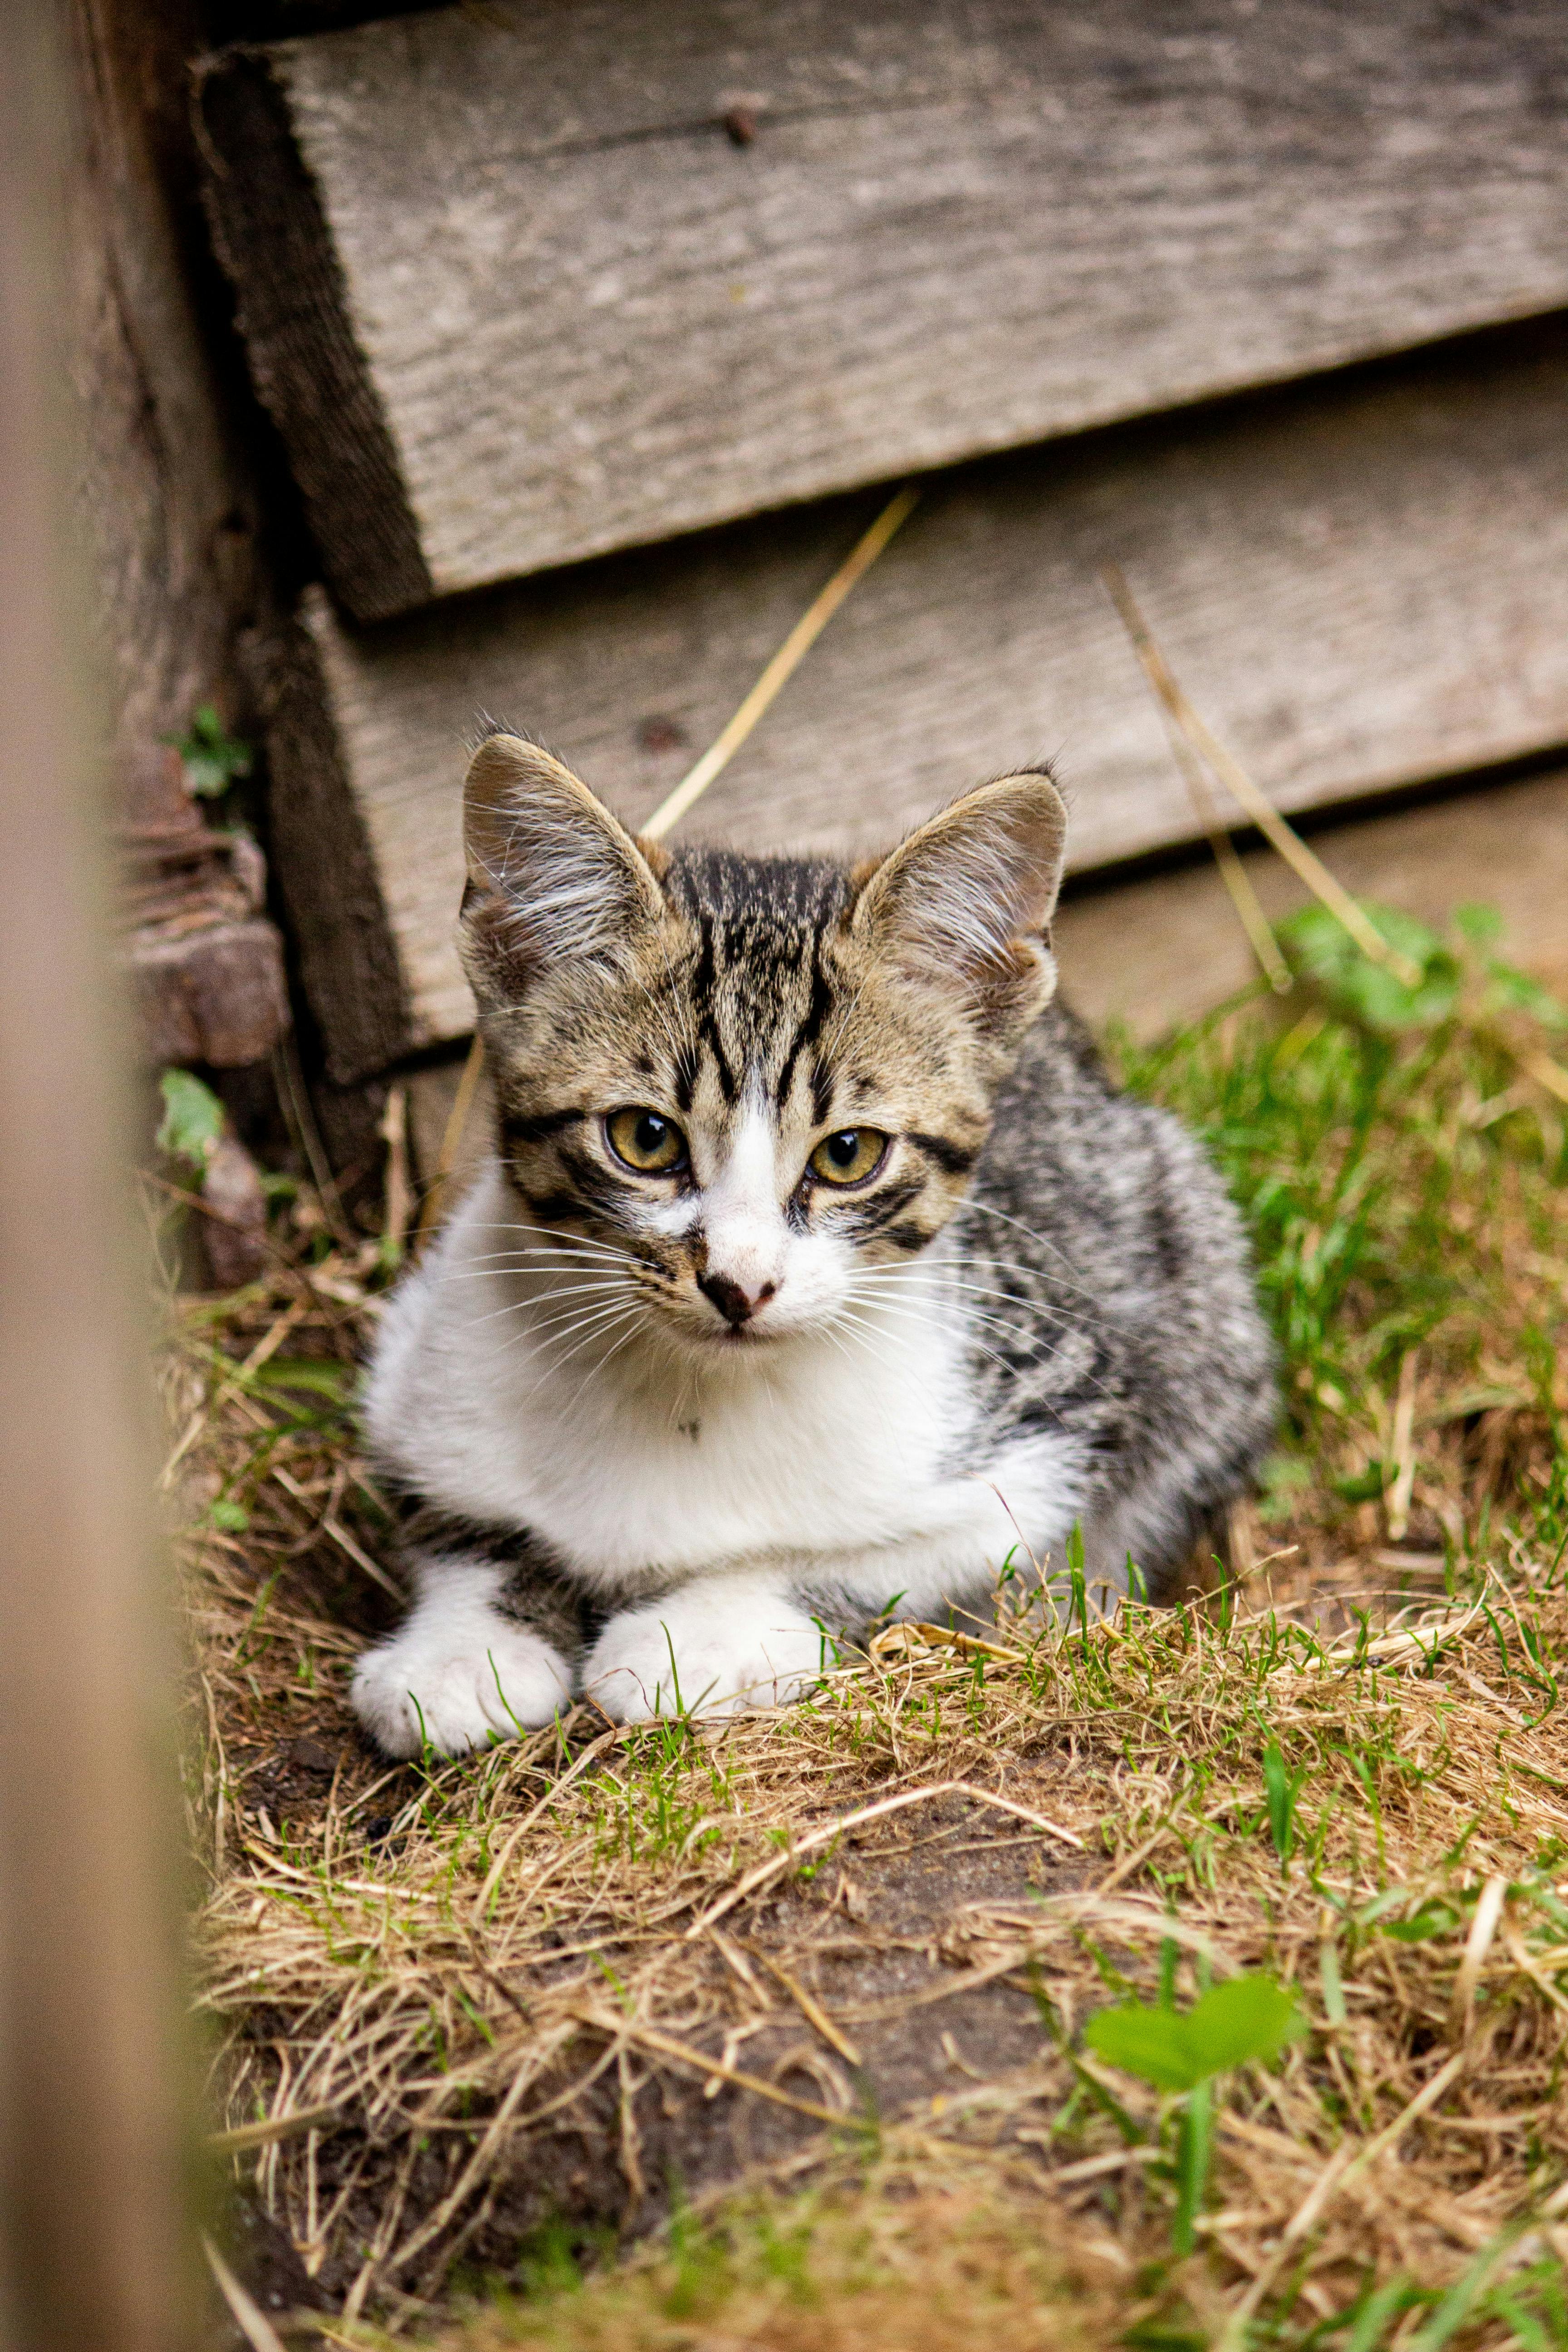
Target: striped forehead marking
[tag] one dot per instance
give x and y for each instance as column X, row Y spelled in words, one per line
column 759, row 994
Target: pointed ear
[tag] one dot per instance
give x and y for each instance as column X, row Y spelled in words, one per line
column 966, row 901
column 552, row 875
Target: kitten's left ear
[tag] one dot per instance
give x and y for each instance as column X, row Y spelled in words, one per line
column 966, row 902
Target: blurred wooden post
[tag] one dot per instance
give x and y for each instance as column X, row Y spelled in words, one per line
column 90, row 2234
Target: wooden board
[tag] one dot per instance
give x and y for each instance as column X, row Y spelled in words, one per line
column 1358, row 591
column 528, row 301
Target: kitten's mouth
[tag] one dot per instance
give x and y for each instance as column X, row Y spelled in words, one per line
column 695, row 1325
column 729, row 1337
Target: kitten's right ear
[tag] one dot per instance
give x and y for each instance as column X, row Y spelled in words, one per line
column 552, row 875
column 965, row 903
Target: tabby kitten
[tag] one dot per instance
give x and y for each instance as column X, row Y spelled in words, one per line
column 818, row 1271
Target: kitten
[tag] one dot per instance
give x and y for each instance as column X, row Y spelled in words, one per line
column 818, row 1271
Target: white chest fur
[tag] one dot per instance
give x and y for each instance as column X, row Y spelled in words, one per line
column 639, row 1473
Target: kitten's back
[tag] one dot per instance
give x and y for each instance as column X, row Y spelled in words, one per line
column 1122, row 1265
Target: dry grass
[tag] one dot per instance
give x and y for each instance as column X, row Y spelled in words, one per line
column 930, row 2256
column 474, row 2016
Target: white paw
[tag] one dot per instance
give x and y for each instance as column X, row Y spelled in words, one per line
column 458, row 1684
column 713, row 1648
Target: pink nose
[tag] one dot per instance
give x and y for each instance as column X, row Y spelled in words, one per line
column 735, row 1305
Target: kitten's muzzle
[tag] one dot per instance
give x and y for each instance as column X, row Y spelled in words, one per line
column 737, row 1305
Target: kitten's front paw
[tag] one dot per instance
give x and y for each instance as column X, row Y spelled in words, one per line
column 713, row 1648
column 459, row 1686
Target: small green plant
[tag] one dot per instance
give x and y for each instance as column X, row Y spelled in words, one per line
column 1320, row 947
column 193, row 1120
column 699, row 2258
column 1246, row 2018
column 1282, row 1790
column 211, row 757
column 1076, row 1596
column 549, row 2262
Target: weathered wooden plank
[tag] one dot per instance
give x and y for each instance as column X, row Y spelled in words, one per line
column 166, row 491
column 1359, row 591
column 204, row 966
column 535, row 288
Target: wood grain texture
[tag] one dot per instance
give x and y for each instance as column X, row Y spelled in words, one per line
column 1358, row 592
column 164, row 488
column 351, row 966
column 95, row 2222
column 166, row 491
column 304, row 360
column 590, row 319
column 205, row 967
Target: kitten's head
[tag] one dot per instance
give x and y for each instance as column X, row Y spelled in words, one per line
column 748, row 1083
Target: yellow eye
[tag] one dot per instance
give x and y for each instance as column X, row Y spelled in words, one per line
column 850, row 1155
column 646, row 1141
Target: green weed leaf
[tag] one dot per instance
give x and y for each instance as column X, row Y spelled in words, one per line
column 1479, row 925
column 1245, row 2017
column 192, row 1120
column 1512, row 990
column 320, row 1377
column 1195, row 2144
column 1282, row 1790
column 212, row 759
column 1366, row 1485
column 1432, row 1919
column 1165, row 2336
column 1322, row 951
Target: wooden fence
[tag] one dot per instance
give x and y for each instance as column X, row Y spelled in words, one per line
column 91, row 2235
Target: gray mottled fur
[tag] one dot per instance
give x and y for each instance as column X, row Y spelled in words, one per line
column 1129, row 1286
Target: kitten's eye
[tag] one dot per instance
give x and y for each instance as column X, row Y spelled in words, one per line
column 850, row 1155
column 646, row 1141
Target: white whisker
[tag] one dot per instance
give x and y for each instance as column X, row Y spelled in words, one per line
column 593, row 1327
column 941, row 1269
column 930, row 1313
column 1041, row 1306
column 604, row 1360
column 984, row 1209
column 547, row 1243
column 846, row 1316
column 538, row 1326
column 548, row 1293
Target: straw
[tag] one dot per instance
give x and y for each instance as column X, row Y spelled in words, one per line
column 782, row 668
column 1258, row 806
